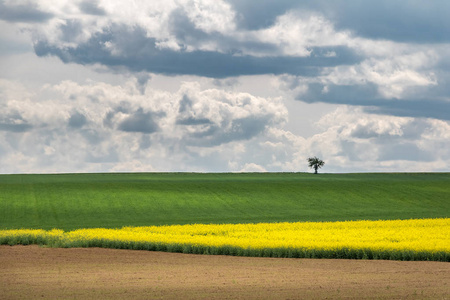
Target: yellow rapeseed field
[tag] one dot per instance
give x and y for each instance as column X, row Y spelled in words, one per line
column 418, row 239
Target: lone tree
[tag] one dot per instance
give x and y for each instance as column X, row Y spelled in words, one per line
column 315, row 163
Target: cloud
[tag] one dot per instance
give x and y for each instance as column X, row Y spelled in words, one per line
column 132, row 49
column 77, row 120
column 88, row 101
column 402, row 83
column 262, row 14
column 377, row 142
column 335, row 62
column 213, row 117
column 229, row 82
column 27, row 12
column 119, row 124
column 184, row 38
column 368, row 96
column 92, row 8
column 251, row 167
column 296, row 33
column 22, row 127
column 406, row 151
column 198, row 129
column 417, row 21
column 139, row 121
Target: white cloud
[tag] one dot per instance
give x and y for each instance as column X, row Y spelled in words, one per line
column 355, row 140
column 251, row 167
column 210, row 15
column 78, row 129
column 115, row 126
column 70, row 26
column 295, row 33
column 97, row 108
column 393, row 75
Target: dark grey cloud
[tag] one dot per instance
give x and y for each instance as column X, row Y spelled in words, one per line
column 23, row 127
column 187, row 33
column 193, row 121
column 140, row 53
column 123, row 107
column 405, row 151
column 91, row 7
column 92, row 136
column 366, row 132
column 120, row 46
column 358, row 94
column 108, row 120
column 71, row 30
column 367, row 95
column 77, row 120
column 421, row 108
column 27, row 13
column 417, row 21
column 211, row 134
column 254, row 15
column 185, row 104
column 139, row 121
column 246, row 128
column 201, row 127
column 185, row 117
column 14, row 122
column 142, row 80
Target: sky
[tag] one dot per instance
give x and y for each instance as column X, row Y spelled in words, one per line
column 224, row 85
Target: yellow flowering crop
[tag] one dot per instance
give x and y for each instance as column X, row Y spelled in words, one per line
column 424, row 239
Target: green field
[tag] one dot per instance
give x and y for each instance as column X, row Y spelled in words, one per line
column 71, row 201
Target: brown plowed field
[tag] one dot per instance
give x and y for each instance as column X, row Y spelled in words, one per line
column 29, row 272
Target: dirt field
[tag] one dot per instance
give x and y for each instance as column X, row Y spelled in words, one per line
column 34, row 272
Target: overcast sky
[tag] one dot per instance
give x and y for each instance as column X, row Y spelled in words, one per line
column 224, row 86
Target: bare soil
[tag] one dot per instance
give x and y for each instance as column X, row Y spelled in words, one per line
column 28, row 272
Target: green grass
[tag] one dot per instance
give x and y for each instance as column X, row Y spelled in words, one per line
column 71, row 201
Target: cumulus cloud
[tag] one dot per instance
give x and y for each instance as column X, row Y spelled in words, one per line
column 23, row 11
column 296, row 33
column 119, row 124
column 337, row 60
column 139, row 121
column 375, row 142
column 214, row 117
column 92, row 8
column 418, row 22
column 385, row 65
column 198, row 38
column 14, row 122
column 196, row 129
column 401, row 83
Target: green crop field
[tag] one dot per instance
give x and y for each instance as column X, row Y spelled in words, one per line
column 71, row 201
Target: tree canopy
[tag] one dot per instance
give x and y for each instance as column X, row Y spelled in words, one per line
column 315, row 163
